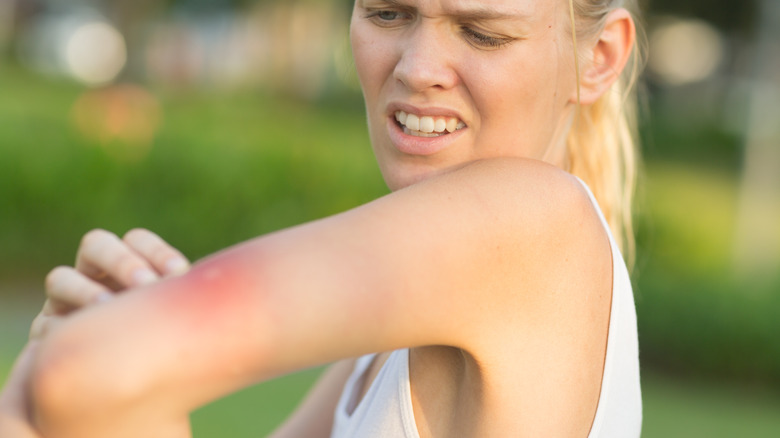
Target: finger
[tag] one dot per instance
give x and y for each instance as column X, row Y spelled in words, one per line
column 166, row 259
column 42, row 324
column 47, row 319
column 102, row 254
column 68, row 289
column 48, row 308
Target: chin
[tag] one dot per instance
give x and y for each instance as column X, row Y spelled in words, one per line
column 401, row 170
column 400, row 175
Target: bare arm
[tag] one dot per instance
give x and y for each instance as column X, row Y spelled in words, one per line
column 105, row 265
column 439, row 263
column 15, row 419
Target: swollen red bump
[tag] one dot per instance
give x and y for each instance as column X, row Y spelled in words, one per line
column 216, row 291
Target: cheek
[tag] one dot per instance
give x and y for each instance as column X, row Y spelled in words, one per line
column 365, row 64
column 374, row 60
column 518, row 100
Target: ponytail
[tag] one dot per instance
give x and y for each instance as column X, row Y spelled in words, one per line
column 602, row 143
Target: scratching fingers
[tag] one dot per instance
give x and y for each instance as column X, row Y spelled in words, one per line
column 102, row 256
column 165, row 259
column 68, row 289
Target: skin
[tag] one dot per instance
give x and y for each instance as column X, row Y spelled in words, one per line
column 488, row 261
column 514, row 99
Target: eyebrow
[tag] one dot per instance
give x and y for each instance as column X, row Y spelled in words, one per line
column 476, row 12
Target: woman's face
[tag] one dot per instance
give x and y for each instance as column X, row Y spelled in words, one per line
column 468, row 79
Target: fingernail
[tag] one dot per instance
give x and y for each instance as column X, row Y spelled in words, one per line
column 176, row 266
column 143, row 277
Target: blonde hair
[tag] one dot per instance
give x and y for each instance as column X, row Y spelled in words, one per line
column 602, row 143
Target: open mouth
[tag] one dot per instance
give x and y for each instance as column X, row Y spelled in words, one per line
column 427, row 126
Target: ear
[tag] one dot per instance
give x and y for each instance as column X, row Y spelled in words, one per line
column 608, row 56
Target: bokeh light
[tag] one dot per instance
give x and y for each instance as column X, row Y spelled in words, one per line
column 122, row 118
column 684, row 51
column 96, row 53
column 78, row 43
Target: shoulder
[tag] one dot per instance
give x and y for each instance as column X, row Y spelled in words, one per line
column 551, row 213
column 524, row 181
column 536, row 316
column 552, row 251
column 526, row 233
column 539, row 216
column 527, row 197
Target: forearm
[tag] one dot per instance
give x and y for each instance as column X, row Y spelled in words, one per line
column 146, row 359
column 119, row 426
column 140, row 363
column 77, row 411
column 76, row 390
column 12, row 427
column 14, row 416
column 17, row 428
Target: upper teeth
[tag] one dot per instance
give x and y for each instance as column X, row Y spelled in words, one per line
column 428, row 124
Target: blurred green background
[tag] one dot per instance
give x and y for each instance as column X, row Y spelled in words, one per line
column 214, row 121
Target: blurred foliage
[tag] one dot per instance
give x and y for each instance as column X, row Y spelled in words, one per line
column 221, row 170
column 697, row 316
column 677, row 131
column 727, row 15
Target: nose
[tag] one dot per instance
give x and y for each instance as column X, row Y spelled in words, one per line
column 425, row 60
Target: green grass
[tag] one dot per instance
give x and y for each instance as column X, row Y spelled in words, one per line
column 253, row 412
column 679, row 408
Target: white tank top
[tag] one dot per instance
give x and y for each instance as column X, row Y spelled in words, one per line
column 386, row 409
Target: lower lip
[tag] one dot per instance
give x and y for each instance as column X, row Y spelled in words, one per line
column 413, row 145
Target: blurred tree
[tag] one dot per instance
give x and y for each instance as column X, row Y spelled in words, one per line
column 729, row 16
column 758, row 237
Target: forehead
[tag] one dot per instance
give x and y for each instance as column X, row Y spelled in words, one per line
column 527, row 8
column 530, row 9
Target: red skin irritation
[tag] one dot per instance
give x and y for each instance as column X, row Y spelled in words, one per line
column 194, row 337
column 219, row 286
column 215, row 307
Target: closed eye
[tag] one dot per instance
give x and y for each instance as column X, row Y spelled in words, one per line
column 484, row 41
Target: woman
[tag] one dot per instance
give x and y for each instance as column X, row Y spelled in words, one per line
column 488, row 280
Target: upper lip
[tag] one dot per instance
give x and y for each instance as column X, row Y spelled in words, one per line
column 432, row 111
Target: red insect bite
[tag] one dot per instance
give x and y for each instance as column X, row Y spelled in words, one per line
column 216, row 292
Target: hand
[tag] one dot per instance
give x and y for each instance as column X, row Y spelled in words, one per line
column 15, row 420
column 106, row 265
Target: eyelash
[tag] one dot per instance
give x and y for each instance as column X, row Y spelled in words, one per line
column 482, row 40
column 475, row 38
